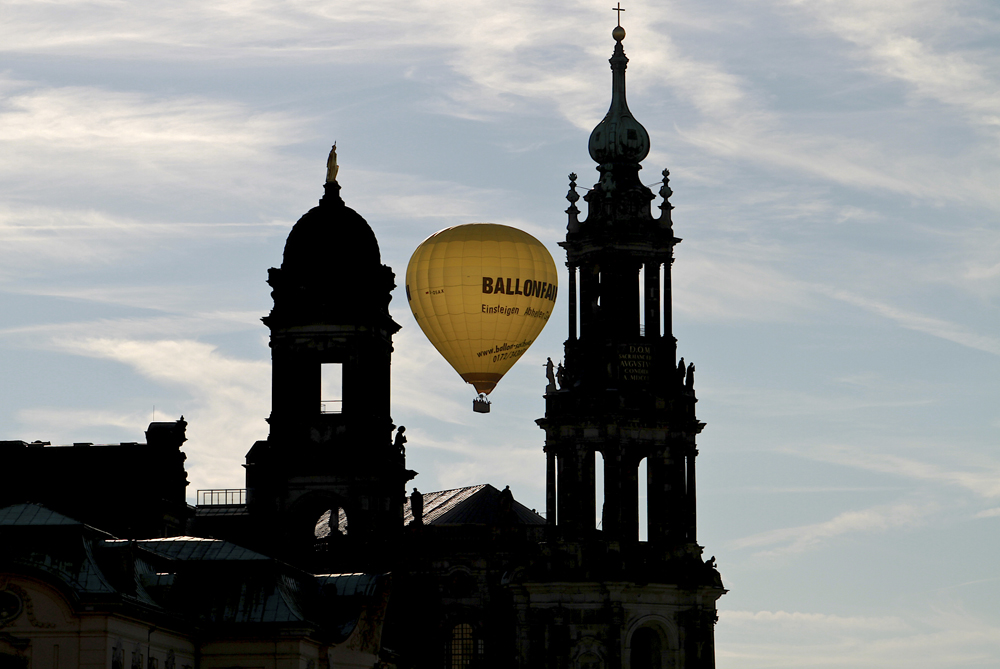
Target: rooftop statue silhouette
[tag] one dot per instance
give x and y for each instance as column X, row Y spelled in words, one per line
column 331, row 165
column 400, row 441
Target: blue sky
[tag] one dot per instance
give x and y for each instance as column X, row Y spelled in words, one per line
column 837, row 186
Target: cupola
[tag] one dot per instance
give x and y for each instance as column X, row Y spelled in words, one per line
column 618, row 138
column 332, row 258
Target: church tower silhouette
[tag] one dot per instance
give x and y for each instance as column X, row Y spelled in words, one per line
column 342, row 569
column 601, row 595
column 330, row 446
column 479, row 580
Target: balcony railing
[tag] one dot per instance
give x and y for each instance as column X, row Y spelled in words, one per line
column 222, row 497
column 330, row 406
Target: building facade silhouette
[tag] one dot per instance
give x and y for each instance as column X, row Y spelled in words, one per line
column 323, row 560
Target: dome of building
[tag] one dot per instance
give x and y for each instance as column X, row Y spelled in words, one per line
column 331, row 264
column 618, row 138
column 331, row 242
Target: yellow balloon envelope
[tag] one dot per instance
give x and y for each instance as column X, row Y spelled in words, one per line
column 481, row 293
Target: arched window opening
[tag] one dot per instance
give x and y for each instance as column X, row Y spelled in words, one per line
column 325, row 529
column 641, row 316
column 136, row 657
column 574, row 314
column 599, row 490
column 589, row 661
column 464, row 650
column 651, row 286
column 331, row 394
column 666, row 320
column 642, row 478
column 118, row 655
column 646, row 649
column 555, row 490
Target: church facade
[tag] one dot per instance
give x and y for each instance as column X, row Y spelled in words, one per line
column 323, row 560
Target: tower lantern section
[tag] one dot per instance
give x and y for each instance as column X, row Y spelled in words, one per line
column 622, row 394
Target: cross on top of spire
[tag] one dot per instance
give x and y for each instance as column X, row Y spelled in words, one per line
column 618, row 33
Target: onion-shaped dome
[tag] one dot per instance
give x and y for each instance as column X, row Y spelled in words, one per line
column 619, row 138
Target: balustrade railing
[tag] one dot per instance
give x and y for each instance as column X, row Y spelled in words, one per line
column 222, row 497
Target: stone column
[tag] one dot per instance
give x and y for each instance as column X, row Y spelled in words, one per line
column 692, row 502
column 612, row 492
column 657, row 496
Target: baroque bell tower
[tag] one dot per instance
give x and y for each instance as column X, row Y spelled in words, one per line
column 601, row 594
column 330, row 446
column 622, row 383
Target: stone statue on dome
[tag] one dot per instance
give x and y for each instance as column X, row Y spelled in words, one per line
column 331, row 165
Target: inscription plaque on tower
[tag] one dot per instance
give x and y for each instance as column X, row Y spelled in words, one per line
column 635, row 362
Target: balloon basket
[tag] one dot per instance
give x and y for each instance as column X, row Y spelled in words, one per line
column 481, row 404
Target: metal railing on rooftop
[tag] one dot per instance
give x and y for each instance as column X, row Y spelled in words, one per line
column 222, row 497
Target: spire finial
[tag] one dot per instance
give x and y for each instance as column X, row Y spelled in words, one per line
column 574, row 213
column 331, row 165
column 618, row 33
column 619, row 138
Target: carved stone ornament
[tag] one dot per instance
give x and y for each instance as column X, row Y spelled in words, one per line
column 11, row 606
column 29, row 606
column 588, row 654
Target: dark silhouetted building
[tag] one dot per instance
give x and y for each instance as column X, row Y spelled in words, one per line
column 320, row 561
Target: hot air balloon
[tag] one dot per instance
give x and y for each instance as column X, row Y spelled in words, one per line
column 482, row 293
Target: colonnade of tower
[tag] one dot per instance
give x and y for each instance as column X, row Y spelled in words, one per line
column 623, row 394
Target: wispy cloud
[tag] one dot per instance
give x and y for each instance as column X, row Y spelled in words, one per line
column 921, row 323
column 923, row 638
column 139, row 143
column 55, row 335
column 462, row 461
column 64, row 425
column 793, row 540
column 229, row 399
column 981, row 478
column 32, row 238
column 820, row 621
column 718, row 285
column 903, row 40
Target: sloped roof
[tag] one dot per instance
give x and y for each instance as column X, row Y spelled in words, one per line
column 67, row 556
column 33, row 514
column 477, row 504
column 349, row 585
column 197, row 548
column 474, row 504
column 221, row 583
column 206, row 510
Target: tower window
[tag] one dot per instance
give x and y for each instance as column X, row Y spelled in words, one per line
column 642, row 300
column 599, row 489
column 647, row 649
column 642, row 479
column 331, row 395
column 330, row 523
column 464, row 650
